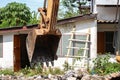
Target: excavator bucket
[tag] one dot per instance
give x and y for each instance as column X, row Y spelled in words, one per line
column 42, row 43
column 42, row 47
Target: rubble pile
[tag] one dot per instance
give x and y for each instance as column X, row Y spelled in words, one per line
column 69, row 75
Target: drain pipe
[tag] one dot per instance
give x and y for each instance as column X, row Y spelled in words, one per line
column 115, row 38
column 118, row 28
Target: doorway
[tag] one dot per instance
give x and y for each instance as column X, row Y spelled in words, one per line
column 16, row 53
column 105, row 42
column 20, row 53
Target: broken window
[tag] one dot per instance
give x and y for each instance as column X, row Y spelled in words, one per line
column 1, row 46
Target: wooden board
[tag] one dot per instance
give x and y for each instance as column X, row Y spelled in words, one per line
column 16, row 52
column 101, row 42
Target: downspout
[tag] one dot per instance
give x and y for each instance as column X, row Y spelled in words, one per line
column 91, row 10
column 118, row 35
column 116, row 32
column 94, row 8
column 118, row 40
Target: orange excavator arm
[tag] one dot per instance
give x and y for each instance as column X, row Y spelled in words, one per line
column 43, row 41
column 49, row 15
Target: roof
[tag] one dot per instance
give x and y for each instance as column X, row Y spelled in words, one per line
column 23, row 29
column 76, row 18
column 107, row 21
column 26, row 29
column 109, row 5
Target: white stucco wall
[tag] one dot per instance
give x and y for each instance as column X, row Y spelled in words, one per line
column 82, row 27
column 92, row 25
column 106, row 2
column 106, row 27
column 7, row 60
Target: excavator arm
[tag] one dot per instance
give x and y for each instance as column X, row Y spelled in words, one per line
column 42, row 43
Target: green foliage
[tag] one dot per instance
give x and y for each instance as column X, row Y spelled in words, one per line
column 58, row 71
column 103, row 66
column 34, row 71
column 67, row 10
column 38, row 69
column 72, row 8
column 14, row 14
column 33, row 18
column 26, row 70
column 53, row 71
column 50, row 70
column 112, row 67
column 67, row 66
column 7, row 72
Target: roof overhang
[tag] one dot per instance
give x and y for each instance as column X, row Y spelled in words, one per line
column 110, row 5
column 26, row 29
column 18, row 30
column 107, row 21
column 77, row 18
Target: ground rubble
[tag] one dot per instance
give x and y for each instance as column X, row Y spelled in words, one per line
column 69, row 75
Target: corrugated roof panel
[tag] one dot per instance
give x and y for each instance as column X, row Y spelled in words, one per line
column 107, row 21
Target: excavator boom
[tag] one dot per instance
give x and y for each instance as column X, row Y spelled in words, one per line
column 42, row 43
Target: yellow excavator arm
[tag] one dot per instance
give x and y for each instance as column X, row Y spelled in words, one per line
column 42, row 43
column 49, row 16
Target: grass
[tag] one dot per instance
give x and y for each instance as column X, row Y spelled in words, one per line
column 31, row 72
column 6, row 72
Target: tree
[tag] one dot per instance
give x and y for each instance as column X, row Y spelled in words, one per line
column 0, row 16
column 14, row 14
column 34, row 18
column 73, row 7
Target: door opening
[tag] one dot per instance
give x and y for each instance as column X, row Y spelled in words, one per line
column 20, row 53
column 105, row 42
column 109, row 42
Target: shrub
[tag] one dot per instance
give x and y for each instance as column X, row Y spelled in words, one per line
column 112, row 67
column 53, row 71
column 102, row 66
column 26, row 70
column 7, row 72
column 34, row 71
column 67, row 66
column 58, row 71
column 38, row 69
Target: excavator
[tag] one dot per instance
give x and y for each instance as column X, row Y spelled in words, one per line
column 42, row 42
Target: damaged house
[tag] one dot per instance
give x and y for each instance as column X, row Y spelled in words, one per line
column 107, row 26
column 101, row 28
column 13, row 41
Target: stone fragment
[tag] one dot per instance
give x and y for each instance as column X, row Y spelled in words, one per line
column 71, row 78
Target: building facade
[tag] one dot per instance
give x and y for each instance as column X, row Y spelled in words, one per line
column 15, row 55
column 107, row 20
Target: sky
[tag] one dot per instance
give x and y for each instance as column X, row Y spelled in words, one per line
column 32, row 4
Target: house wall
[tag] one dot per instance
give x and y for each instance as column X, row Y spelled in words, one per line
column 106, row 27
column 7, row 60
column 106, row 2
column 106, row 13
column 82, row 27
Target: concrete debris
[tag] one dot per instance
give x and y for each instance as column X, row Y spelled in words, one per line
column 69, row 75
